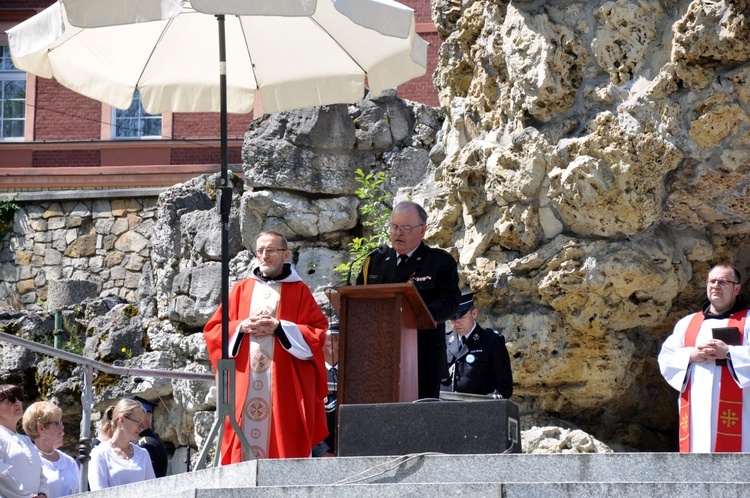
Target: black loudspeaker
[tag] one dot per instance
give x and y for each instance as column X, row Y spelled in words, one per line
column 455, row 427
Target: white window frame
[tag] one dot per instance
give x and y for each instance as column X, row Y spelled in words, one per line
column 140, row 114
column 12, row 75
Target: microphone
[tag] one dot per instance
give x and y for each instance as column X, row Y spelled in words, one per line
column 138, row 380
column 381, row 249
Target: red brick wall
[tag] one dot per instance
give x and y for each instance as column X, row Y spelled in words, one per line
column 205, row 155
column 62, row 114
column 65, row 158
column 207, row 124
column 422, row 12
column 422, row 89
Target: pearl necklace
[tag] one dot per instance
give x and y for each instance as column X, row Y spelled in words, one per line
column 48, row 453
column 127, row 455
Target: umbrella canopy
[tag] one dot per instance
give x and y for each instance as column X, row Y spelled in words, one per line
column 291, row 53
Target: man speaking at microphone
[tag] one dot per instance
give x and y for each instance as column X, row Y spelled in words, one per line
column 435, row 275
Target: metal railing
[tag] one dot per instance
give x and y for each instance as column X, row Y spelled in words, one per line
column 87, row 397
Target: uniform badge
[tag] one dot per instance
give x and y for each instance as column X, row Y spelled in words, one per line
column 470, row 358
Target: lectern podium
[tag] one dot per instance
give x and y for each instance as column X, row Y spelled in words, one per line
column 378, row 345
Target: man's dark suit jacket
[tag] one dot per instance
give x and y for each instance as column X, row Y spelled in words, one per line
column 435, row 275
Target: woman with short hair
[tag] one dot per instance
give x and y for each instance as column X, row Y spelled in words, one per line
column 42, row 422
column 21, row 473
column 118, row 460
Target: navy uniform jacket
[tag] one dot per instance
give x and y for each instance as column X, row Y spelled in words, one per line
column 435, row 275
column 482, row 366
column 159, row 459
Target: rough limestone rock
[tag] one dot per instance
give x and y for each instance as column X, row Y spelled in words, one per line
column 558, row 440
column 593, row 165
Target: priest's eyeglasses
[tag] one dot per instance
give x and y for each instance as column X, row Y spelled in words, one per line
column 721, row 282
column 405, row 228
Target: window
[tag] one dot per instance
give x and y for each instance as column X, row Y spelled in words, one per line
column 135, row 122
column 12, row 97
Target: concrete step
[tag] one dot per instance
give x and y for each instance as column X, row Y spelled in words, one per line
column 512, row 475
column 484, row 490
column 509, row 468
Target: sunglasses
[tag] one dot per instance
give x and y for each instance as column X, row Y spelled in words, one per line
column 12, row 396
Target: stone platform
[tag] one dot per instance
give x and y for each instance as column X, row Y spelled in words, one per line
column 511, row 475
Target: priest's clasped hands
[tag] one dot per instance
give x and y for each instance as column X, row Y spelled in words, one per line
column 260, row 325
column 712, row 350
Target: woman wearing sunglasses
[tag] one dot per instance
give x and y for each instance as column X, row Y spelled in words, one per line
column 21, row 473
column 42, row 422
column 118, row 460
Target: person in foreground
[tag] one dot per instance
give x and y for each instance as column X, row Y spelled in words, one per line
column 707, row 359
column 151, row 442
column 42, row 422
column 277, row 333
column 119, row 460
column 478, row 359
column 435, row 275
column 21, row 473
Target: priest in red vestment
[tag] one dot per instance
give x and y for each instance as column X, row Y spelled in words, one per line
column 276, row 336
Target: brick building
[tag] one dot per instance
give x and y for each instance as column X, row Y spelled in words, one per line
column 54, row 139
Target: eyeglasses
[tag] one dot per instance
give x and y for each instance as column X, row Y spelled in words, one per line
column 720, row 282
column 269, row 251
column 13, row 395
column 58, row 423
column 140, row 424
column 404, row 228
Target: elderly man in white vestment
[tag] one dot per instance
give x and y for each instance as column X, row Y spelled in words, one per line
column 707, row 359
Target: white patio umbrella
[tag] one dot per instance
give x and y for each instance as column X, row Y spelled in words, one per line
column 290, row 53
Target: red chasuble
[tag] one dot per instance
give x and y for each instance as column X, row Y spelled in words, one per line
column 298, row 418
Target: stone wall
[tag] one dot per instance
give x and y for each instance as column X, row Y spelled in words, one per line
column 101, row 239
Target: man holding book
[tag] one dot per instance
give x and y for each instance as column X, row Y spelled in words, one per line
column 707, row 359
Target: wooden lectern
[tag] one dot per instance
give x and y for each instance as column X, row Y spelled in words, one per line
column 378, row 344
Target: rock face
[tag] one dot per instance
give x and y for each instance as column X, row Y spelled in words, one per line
column 595, row 166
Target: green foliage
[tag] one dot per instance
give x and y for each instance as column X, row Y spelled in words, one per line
column 8, row 210
column 375, row 218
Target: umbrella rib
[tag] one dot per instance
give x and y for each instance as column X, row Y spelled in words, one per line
column 249, row 53
column 151, row 54
column 339, row 44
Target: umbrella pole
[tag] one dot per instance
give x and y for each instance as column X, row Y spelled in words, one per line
column 225, row 369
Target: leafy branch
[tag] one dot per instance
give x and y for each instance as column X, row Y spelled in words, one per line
column 375, row 217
